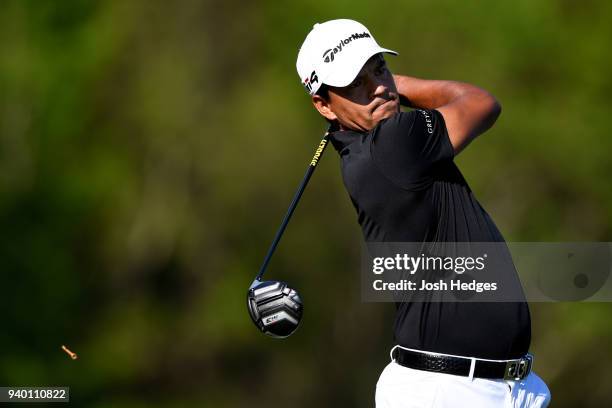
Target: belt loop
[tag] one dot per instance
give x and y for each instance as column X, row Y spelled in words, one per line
column 391, row 353
column 472, row 367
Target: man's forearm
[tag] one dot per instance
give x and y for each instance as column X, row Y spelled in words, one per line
column 468, row 110
column 431, row 94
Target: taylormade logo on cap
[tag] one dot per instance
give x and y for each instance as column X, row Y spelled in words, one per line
column 328, row 56
column 334, row 52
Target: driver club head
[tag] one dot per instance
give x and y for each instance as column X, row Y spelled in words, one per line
column 275, row 308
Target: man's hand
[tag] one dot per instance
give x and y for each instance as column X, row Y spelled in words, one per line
column 467, row 110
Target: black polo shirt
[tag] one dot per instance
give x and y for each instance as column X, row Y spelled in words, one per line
column 406, row 188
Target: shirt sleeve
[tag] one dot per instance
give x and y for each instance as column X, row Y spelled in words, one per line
column 408, row 147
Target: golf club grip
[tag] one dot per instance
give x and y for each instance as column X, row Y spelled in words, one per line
column 294, row 202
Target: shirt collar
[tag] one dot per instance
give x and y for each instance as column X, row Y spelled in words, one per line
column 341, row 139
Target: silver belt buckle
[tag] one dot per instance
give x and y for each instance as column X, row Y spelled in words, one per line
column 518, row 369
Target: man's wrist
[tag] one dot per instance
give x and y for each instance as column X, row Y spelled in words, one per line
column 400, row 84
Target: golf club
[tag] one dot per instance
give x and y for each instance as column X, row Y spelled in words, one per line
column 275, row 308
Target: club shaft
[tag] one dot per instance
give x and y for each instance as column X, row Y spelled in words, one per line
column 294, row 202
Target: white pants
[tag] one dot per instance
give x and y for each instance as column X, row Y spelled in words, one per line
column 401, row 387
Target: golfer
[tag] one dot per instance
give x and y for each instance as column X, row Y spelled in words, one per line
column 399, row 171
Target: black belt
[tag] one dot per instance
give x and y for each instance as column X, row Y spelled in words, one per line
column 508, row 370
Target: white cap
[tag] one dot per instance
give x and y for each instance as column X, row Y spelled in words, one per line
column 334, row 52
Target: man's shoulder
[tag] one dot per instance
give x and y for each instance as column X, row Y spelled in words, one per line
column 417, row 122
column 413, row 121
column 411, row 143
column 399, row 118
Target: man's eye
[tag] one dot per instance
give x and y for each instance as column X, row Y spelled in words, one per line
column 356, row 83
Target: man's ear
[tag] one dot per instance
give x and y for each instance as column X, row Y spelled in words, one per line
column 322, row 105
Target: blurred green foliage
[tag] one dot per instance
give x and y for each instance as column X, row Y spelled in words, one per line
column 149, row 149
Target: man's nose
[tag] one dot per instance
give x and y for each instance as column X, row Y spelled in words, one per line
column 377, row 88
